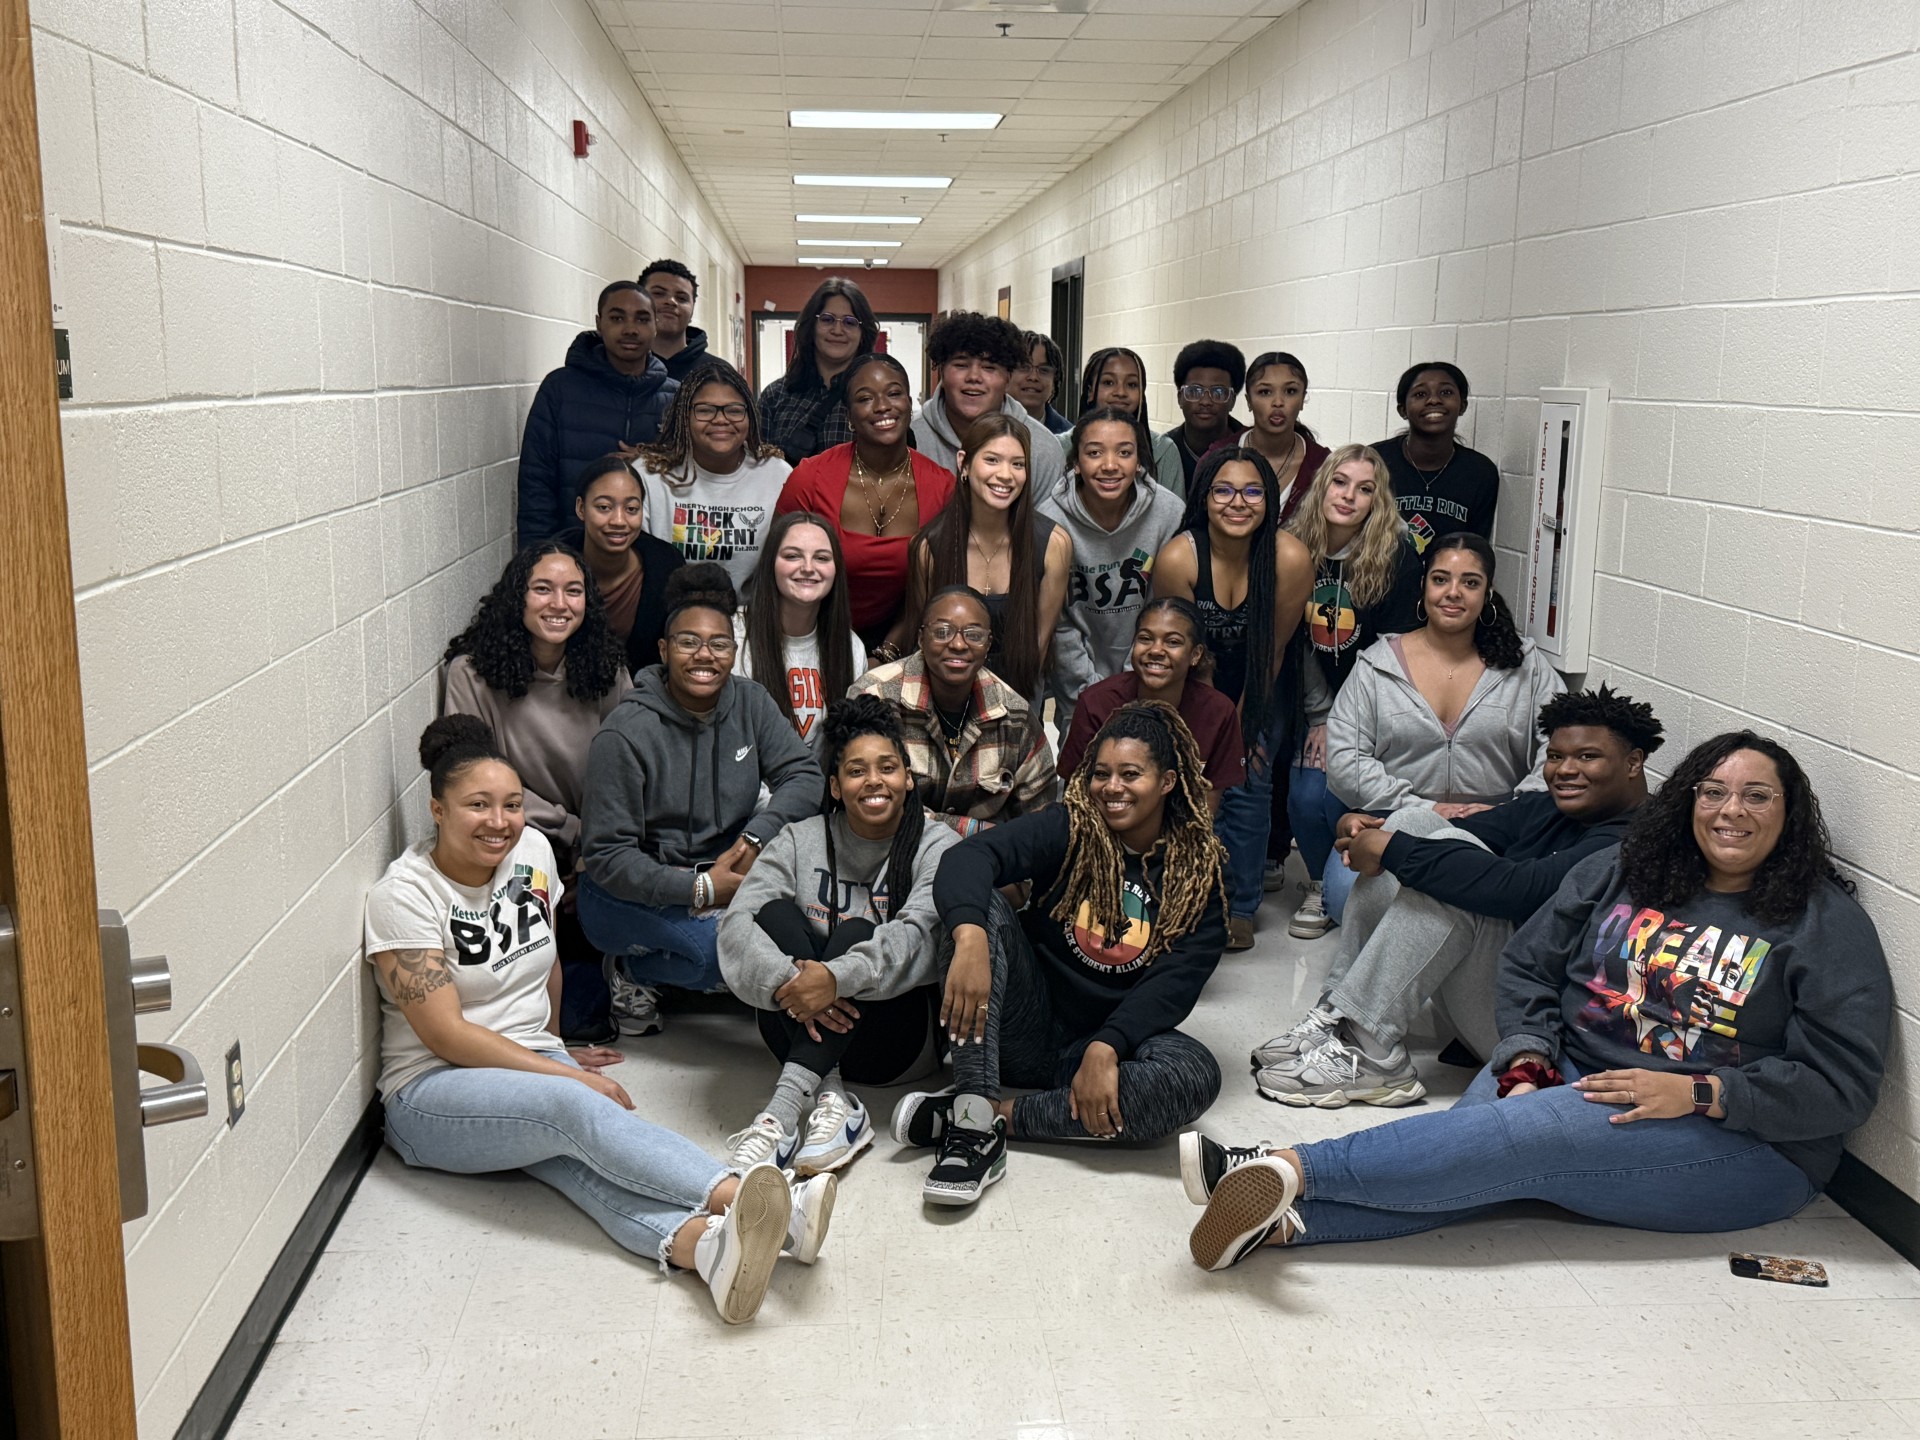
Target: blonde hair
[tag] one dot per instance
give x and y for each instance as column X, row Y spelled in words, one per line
column 1374, row 561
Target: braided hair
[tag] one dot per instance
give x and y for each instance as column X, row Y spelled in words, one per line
column 1495, row 636
column 845, row 722
column 1192, row 860
column 502, row 650
column 1256, row 700
column 671, row 455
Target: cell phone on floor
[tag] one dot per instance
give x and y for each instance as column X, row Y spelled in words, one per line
column 1782, row 1268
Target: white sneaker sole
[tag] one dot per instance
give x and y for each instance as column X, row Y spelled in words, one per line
column 1309, row 929
column 1389, row 1096
column 818, row 1217
column 1245, row 1202
column 758, row 1219
column 1193, row 1173
column 903, row 1113
column 959, row 1199
column 824, row 1162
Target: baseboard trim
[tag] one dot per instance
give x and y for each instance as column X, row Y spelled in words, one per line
column 1877, row 1203
column 214, row 1408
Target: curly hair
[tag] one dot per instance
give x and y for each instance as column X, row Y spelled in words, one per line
column 1383, row 536
column 1263, row 580
column 1494, row 635
column 1661, row 861
column 671, row 454
column 704, row 585
column 1192, row 861
column 1211, row 355
column 675, row 268
column 452, row 743
column 987, row 337
column 845, row 722
column 502, row 650
column 1632, row 720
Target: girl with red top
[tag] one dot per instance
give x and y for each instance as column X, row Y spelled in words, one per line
column 877, row 490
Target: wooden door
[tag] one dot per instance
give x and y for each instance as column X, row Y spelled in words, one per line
column 68, row 1359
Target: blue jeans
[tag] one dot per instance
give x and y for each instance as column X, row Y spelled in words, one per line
column 657, row 944
column 1426, row 1171
column 1313, row 810
column 639, row 1182
column 1246, row 816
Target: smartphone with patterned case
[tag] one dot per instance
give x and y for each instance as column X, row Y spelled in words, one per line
column 1782, row 1268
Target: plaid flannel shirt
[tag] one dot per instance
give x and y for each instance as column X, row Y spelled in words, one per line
column 803, row 424
column 1003, row 767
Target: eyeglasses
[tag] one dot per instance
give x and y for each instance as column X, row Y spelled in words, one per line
column 839, row 322
column 1756, row 799
column 1045, row 372
column 942, row 633
column 1205, row 392
column 1254, row 495
column 685, row 642
column 735, row 412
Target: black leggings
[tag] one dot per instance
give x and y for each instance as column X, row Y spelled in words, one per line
column 1165, row 1085
column 888, row 1039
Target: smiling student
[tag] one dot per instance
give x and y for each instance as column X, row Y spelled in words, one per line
column 1207, row 376
column 796, row 638
column 678, row 343
column 1440, row 484
column 804, row 411
column 973, row 358
column 630, row 568
column 1036, row 383
column 1117, row 378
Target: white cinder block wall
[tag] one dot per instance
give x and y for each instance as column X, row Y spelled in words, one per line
column 315, row 257
column 1710, row 209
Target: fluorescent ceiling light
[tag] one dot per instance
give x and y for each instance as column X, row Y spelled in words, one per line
column 893, row 119
column 858, row 219
column 838, row 260
column 879, row 182
column 867, row 244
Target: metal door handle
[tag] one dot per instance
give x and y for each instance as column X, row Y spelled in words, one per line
column 183, row 1099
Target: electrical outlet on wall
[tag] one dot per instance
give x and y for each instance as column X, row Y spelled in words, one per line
column 236, row 1087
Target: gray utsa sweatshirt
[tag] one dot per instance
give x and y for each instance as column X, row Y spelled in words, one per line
column 901, row 956
column 1110, row 582
column 667, row 790
column 1386, row 749
column 935, row 436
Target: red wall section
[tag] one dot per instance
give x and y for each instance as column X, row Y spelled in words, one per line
column 889, row 291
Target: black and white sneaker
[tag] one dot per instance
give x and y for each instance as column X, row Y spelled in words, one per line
column 1251, row 1202
column 920, row 1119
column 1204, row 1161
column 970, row 1160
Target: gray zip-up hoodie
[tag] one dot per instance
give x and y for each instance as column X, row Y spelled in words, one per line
column 667, row 790
column 1387, row 750
column 902, row 954
column 1110, row 582
column 934, row 436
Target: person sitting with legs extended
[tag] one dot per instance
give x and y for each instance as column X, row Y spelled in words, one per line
column 1688, row 1030
column 1438, row 899
column 1078, row 995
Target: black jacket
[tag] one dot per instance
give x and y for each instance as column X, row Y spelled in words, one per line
column 1532, row 846
column 658, row 560
column 681, row 365
column 582, row 411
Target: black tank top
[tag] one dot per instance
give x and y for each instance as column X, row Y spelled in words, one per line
column 1226, row 629
column 1043, row 529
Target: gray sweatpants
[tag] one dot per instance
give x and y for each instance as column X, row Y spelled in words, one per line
column 1400, row 948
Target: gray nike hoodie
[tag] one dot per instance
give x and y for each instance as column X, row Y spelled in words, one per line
column 934, row 436
column 1110, row 582
column 667, row 790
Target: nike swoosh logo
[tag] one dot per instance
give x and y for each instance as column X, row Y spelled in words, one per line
column 855, row 1128
column 741, row 753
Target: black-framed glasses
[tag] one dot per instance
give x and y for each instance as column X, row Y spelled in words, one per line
column 941, row 632
column 1227, row 494
column 735, row 412
column 685, row 642
column 1757, row 799
column 1205, row 392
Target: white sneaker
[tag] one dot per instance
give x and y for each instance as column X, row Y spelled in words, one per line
column 735, row 1255
column 837, row 1131
column 762, row 1143
column 812, row 1212
column 1338, row 1073
column 636, row 1008
column 1310, row 1034
column 1311, row 920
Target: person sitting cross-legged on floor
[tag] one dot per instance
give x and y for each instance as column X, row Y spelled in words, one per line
column 1078, row 995
column 1438, row 899
column 1688, row 1030
column 831, row 939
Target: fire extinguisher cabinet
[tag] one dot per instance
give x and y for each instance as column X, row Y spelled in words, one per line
column 1568, row 467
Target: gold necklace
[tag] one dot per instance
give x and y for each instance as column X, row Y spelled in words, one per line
column 993, row 559
column 877, row 514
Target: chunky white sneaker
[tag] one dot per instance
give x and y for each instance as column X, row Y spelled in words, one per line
column 1249, row 1204
column 1310, row 1034
column 636, row 1008
column 812, row 1212
column 837, row 1131
column 1311, row 920
column 1338, row 1073
column 1204, row 1161
column 762, row 1143
column 735, row 1255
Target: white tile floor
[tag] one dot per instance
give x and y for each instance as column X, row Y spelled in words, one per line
column 1065, row 1307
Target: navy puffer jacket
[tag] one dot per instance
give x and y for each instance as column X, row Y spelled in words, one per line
column 582, row 411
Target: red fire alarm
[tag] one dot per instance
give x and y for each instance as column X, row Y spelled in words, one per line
column 581, row 139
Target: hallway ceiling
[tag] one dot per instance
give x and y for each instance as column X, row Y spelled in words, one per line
column 721, row 77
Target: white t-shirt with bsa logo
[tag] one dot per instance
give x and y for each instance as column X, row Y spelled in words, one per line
column 498, row 940
column 716, row 517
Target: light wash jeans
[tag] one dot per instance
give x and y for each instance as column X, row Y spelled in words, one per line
column 639, row 1182
column 1690, row 1174
column 1400, row 948
column 657, row 944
